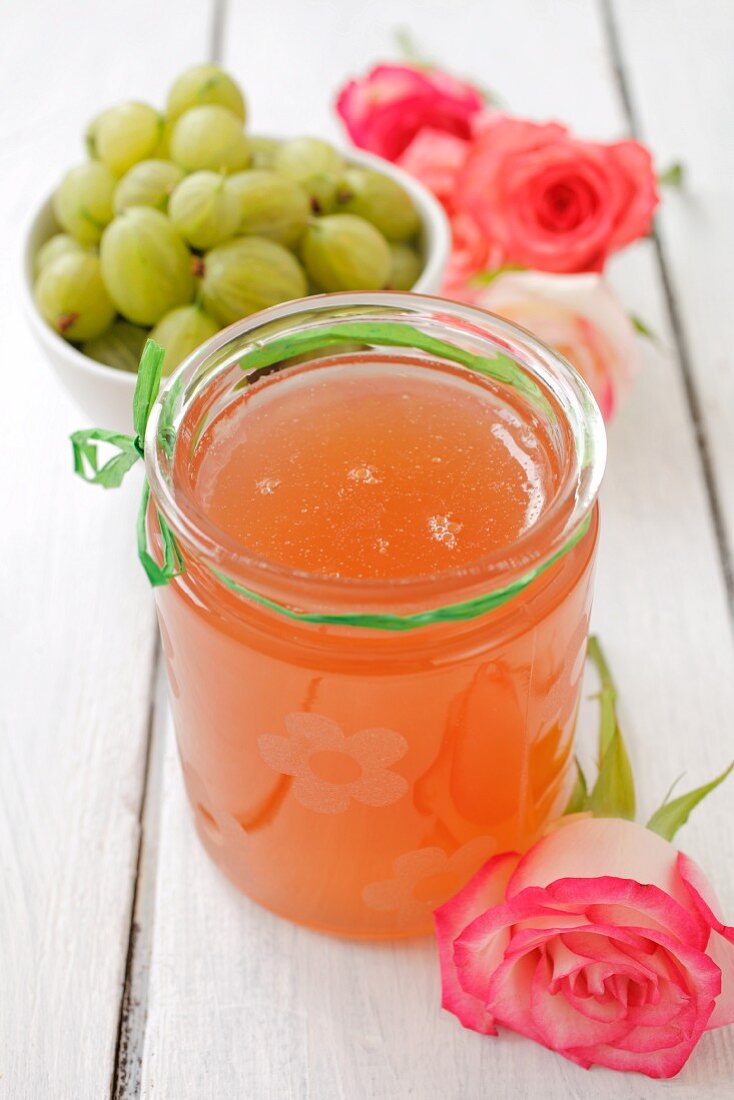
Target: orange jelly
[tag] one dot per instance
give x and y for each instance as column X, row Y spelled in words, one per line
column 373, row 469
column 352, row 772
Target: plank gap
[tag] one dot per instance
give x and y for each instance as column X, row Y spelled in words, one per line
column 677, row 328
column 126, row 1073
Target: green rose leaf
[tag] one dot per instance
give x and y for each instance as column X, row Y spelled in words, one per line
column 643, row 329
column 614, row 791
column 613, row 794
column 673, row 175
column 579, row 800
column 607, row 695
column 667, row 820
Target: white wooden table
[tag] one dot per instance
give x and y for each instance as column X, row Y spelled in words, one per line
column 128, row 966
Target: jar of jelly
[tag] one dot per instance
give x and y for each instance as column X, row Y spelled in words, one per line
column 385, row 509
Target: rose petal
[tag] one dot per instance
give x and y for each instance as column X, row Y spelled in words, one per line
column 530, row 233
column 721, row 944
column 643, row 195
column 386, row 109
column 550, row 200
column 658, row 1064
column 585, row 296
column 481, row 945
column 485, row 890
column 517, row 998
column 623, row 849
column 647, row 1039
column 618, row 901
column 612, row 1009
column 557, row 1022
column 564, row 961
column 658, row 1051
column 509, row 996
column 600, row 951
column 700, row 980
column 700, row 891
column 579, row 316
column 434, row 157
column 721, row 951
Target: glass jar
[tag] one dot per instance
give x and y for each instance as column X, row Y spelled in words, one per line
column 355, row 748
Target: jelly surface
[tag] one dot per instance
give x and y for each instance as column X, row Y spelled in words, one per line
column 373, row 470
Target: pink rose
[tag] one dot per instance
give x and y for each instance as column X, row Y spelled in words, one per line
column 578, row 316
column 603, row 943
column 470, row 253
column 385, row 110
column 434, row 157
column 551, row 201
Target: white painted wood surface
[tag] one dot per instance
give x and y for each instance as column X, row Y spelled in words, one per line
column 76, row 623
column 225, row 1000
column 694, row 122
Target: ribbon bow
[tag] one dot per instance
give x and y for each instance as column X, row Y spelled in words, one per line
column 130, row 448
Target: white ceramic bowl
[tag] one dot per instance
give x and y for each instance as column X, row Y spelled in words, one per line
column 105, row 394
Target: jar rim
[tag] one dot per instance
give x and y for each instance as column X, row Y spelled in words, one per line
column 556, row 527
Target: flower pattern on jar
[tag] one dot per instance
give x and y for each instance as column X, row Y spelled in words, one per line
column 424, row 878
column 331, row 770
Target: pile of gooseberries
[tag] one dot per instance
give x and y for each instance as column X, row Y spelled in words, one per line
column 180, row 223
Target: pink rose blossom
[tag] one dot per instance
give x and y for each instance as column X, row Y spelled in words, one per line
column 435, row 157
column 576, row 315
column 470, row 254
column 551, row 201
column 385, row 110
column 602, row 942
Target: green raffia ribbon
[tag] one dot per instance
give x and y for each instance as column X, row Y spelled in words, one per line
column 86, row 458
column 393, row 334
column 258, row 359
column 455, row 612
column 173, row 563
column 129, row 450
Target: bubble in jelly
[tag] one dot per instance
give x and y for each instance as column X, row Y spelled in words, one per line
column 366, row 475
column 267, row 486
column 444, row 529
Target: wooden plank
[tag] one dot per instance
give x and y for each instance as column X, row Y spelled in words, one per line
column 692, row 122
column 75, row 611
column 134, row 1004
column 243, row 1004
